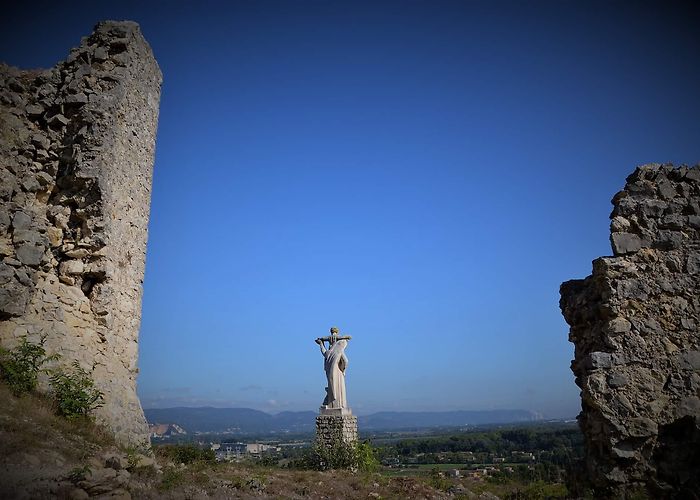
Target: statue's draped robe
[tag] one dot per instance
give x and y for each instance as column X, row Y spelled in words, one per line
column 335, row 363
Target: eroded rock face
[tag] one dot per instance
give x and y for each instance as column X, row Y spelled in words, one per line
column 635, row 324
column 77, row 144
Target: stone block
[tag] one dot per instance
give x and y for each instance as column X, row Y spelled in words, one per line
column 624, row 243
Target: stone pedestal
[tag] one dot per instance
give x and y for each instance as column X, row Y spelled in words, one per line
column 331, row 426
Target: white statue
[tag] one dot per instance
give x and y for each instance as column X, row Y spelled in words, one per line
column 335, row 363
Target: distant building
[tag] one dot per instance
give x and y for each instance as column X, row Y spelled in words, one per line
column 235, row 451
column 523, row 455
column 258, row 448
column 391, row 462
column 229, row 452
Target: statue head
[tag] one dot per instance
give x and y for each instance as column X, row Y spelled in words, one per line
column 334, row 334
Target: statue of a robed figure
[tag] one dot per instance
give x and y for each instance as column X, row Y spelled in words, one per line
column 335, row 420
column 335, row 363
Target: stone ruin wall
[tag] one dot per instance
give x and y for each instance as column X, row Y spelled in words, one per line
column 76, row 147
column 635, row 324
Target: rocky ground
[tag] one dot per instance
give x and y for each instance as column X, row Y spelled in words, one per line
column 45, row 456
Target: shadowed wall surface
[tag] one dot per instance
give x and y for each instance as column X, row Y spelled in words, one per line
column 635, row 324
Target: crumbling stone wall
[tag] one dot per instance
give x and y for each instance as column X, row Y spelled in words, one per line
column 635, row 324
column 76, row 149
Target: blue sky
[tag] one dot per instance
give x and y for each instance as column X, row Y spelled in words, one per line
column 421, row 174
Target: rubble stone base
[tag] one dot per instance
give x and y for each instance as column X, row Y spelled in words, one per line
column 331, row 427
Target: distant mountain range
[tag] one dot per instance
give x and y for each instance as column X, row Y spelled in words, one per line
column 387, row 420
column 248, row 421
column 233, row 420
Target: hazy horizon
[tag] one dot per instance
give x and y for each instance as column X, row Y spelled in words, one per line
column 361, row 413
column 422, row 175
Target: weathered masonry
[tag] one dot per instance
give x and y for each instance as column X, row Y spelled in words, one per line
column 635, row 323
column 330, row 429
column 77, row 145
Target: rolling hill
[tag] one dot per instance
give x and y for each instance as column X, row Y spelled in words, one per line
column 248, row 421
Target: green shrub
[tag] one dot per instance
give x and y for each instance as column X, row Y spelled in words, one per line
column 20, row 367
column 438, row 480
column 256, row 483
column 75, row 392
column 537, row 490
column 340, row 455
column 186, row 454
column 78, row 474
column 366, row 457
column 336, row 455
column 134, row 454
column 171, row 478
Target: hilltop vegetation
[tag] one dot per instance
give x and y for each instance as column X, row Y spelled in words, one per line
column 43, row 455
column 50, row 446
